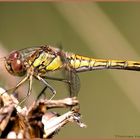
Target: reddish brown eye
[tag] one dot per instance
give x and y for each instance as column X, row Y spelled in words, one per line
column 14, row 55
column 17, row 66
column 14, row 64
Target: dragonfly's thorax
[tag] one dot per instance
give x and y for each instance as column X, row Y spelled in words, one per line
column 44, row 61
column 15, row 64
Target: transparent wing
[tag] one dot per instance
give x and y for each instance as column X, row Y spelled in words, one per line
column 74, row 82
column 71, row 76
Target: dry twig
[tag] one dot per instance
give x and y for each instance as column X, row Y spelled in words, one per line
column 37, row 121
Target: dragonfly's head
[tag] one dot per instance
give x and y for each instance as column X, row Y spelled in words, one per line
column 15, row 64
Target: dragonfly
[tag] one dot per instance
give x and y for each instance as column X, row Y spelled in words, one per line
column 37, row 62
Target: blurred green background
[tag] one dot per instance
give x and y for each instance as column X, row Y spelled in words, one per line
column 109, row 99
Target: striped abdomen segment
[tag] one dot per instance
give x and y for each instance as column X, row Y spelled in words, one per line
column 81, row 63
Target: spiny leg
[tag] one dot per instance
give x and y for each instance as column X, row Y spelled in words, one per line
column 58, row 79
column 18, row 85
column 41, row 93
column 72, row 81
column 52, row 78
column 29, row 90
column 67, row 81
column 48, row 86
column 21, row 82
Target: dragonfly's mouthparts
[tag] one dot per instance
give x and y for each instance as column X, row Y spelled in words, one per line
column 2, row 58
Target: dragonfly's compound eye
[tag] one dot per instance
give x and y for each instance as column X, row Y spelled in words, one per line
column 14, row 55
column 14, row 64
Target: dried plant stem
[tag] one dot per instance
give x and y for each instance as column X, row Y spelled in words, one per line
column 36, row 121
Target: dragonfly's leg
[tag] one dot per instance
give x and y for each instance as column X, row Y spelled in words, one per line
column 68, row 82
column 48, row 85
column 29, row 90
column 22, row 81
column 61, row 80
column 52, row 78
column 18, row 85
column 58, row 79
column 42, row 92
